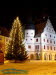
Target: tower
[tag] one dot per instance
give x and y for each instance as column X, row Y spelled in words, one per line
column 29, row 39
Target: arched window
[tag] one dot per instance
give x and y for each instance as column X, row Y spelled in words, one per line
column 50, row 57
column 55, row 57
column 45, row 57
column 31, row 56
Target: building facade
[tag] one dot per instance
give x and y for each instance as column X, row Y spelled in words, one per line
column 41, row 45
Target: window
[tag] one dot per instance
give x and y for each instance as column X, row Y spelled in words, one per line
column 54, row 48
column 36, row 40
column 27, row 33
column 51, row 47
column 47, row 47
column 44, row 40
column 54, row 36
column 37, row 47
column 26, row 39
column 47, row 41
column 50, row 35
column 47, row 28
column 54, row 42
column 29, row 46
column 31, row 33
column 44, row 46
column 50, row 41
column 45, row 34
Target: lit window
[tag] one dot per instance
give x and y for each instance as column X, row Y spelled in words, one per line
column 44, row 46
column 44, row 40
column 47, row 47
column 29, row 46
column 36, row 40
column 51, row 47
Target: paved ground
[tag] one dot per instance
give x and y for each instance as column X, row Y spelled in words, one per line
column 32, row 68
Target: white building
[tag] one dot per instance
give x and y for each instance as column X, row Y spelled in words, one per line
column 43, row 44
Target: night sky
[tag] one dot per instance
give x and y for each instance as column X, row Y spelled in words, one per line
column 26, row 9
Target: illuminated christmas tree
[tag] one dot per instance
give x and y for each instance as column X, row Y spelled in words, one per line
column 16, row 48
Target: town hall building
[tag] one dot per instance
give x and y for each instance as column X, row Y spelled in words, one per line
column 40, row 45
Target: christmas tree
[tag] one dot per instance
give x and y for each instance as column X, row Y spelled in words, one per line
column 16, row 48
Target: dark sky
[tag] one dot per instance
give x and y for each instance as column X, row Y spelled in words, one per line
column 25, row 9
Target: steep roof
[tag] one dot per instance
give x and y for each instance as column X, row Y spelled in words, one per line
column 4, row 31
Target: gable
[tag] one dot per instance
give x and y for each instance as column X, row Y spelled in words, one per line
column 49, row 27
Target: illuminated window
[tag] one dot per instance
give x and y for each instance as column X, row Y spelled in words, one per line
column 44, row 46
column 36, row 40
column 47, row 47
column 51, row 47
column 29, row 46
